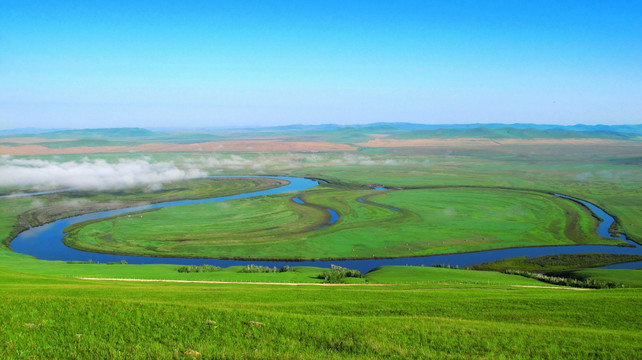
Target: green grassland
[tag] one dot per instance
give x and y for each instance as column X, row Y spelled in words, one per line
column 459, row 219
column 606, row 175
column 46, row 316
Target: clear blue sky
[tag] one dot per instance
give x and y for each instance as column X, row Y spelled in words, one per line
column 234, row 63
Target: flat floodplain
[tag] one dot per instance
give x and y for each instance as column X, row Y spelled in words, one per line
column 458, row 219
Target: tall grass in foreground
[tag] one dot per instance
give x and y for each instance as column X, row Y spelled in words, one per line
column 116, row 320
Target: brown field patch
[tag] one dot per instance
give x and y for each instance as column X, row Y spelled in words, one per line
column 28, row 140
column 436, row 142
column 214, row 146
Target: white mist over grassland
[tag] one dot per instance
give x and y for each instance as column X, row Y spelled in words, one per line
column 283, row 163
column 87, row 174
column 96, row 173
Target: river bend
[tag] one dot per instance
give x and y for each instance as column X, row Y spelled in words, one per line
column 45, row 242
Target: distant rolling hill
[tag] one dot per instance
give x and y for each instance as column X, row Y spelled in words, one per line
column 108, row 133
column 327, row 132
column 517, row 133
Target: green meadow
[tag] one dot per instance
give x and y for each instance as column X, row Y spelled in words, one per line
column 46, row 316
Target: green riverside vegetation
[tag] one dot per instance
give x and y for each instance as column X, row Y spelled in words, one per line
column 561, row 262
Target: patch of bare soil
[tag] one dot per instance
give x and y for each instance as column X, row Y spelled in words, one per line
column 225, row 282
column 231, row 146
column 28, row 140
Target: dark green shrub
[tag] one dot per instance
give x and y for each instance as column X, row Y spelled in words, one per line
column 446, row 266
column 259, row 269
column 198, row 269
column 265, row 269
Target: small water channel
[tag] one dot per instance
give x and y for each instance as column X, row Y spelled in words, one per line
column 333, row 214
column 45, row 242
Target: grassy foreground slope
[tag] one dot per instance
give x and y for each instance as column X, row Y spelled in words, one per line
column 430, row 221
column 52, row 317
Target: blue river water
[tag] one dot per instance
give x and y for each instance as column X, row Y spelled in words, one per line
column 45, row 242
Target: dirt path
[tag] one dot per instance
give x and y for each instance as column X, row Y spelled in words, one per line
column 551, row 287
column 305, row 284
column 226, row 282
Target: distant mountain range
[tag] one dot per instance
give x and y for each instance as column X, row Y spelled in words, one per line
column 633, row 129
column 344, row 133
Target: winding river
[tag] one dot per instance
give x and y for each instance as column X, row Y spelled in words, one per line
column 45, row 242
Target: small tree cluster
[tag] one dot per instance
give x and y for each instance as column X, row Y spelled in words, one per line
column 337, row 274
column 265, row 269
column 445, row 266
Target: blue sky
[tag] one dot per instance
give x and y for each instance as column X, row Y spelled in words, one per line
column 239, row 63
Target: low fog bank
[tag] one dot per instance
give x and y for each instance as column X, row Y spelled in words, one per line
column 91, row 174
column 275, row 163
column 99, row 174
